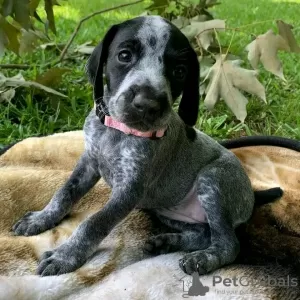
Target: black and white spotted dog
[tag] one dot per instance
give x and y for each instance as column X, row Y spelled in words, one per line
column 151, row 156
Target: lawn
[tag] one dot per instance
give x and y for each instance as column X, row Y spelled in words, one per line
column 31, row 114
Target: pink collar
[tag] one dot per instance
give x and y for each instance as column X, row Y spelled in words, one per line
column 110, row 122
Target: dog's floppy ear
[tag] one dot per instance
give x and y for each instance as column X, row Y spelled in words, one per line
column 189, row 104
column 97, row 60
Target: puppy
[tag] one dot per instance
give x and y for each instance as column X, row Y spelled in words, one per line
column 151, row 157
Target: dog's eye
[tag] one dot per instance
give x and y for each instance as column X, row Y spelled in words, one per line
column 125, row 56
column 180, row 72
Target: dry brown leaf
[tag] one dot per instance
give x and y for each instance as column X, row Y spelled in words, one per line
column 86, row 48
column 181, row 22
column 52, row 77
column 19, row 81
column 206, row 63
column 203, row 31
column 227, row 80
column 285, row 30
column 264, row 48
column 28, row 41
column 7, row 95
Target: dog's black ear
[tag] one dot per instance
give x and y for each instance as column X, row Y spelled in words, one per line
column 97, row 60
column 189, row 104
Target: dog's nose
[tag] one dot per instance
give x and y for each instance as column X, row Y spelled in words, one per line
column 144, row 105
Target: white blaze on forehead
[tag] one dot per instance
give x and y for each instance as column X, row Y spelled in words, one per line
column 157, row 28
column 154, row 28
column 150, row 67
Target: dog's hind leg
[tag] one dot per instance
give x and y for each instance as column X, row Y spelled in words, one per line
column 190, row 237
column 224, row 246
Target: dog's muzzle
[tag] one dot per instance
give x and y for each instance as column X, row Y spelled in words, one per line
column 146, row 102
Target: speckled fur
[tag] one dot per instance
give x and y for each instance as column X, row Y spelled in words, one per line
column 147, row 173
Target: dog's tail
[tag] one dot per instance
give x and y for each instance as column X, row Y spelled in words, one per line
column 261, row 140
column 267, row 196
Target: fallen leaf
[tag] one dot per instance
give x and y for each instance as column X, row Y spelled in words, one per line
column 203, row 31
column 227, row 80
column 19, row 81
column 85, row 48
column 206, row 63
column 181, row 22
column 7, row 95
column 264, row 48
column 28, row 41
column 200, row 18
column 12, row 34
column 52, row 77
column 43, row 87
column 50, row 15
column 285, row 30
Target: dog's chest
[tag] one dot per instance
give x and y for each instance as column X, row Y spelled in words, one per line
column 118, row 160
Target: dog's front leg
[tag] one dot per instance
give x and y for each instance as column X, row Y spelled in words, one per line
column 84, row 241
column 82, row 179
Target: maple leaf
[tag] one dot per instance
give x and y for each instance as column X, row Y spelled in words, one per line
column 264, row 49
column 203, row 31
column 181, row 22
column 206, row 63
column 285, row 30
column 227, row 80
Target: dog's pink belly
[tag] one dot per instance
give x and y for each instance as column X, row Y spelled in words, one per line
column 189, row 210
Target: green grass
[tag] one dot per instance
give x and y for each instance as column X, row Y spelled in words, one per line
column 39, row 114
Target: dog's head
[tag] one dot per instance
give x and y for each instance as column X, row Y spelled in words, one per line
column 148, row 63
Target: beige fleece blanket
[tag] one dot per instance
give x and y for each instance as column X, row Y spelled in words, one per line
column 32, row 170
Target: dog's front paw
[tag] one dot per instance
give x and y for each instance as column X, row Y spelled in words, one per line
column 61, row 260
column 33, row 223
column 201, row 262
column 208, row 260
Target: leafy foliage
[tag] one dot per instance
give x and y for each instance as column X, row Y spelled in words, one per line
column 27, row 111
column 227, row 79
column 17, row 24
column 170, row 9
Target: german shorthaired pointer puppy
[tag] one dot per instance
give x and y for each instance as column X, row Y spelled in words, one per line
column 151, row 156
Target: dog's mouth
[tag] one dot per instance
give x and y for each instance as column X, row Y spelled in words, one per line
column 144, row 122
column 139, row 112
